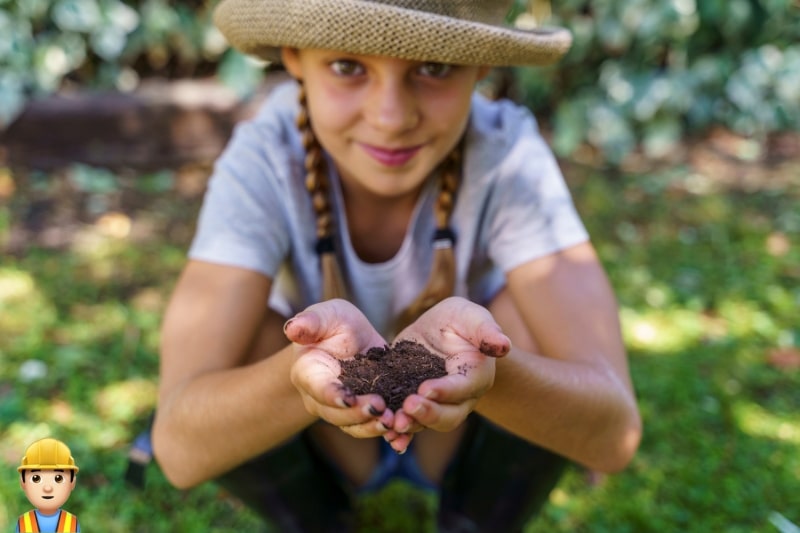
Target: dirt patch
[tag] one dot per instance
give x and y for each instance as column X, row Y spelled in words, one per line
column 393, row 372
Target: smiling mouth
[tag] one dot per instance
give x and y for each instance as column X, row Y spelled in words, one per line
column 391, row 157
column 47, row 497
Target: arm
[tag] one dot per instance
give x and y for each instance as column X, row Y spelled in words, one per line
column 233, row 387
column 217, row 380
column 565, row 384
column 573, row 394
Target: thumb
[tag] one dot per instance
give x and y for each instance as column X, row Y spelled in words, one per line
column 491, row 341
column 304, row 328
column 320, row 321
column 479, row 327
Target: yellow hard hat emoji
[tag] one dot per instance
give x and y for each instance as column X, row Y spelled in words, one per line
column 47, row 454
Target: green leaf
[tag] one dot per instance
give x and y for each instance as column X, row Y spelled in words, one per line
column 77, row 15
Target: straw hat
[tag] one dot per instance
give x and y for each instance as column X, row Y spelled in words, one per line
column 465, row 32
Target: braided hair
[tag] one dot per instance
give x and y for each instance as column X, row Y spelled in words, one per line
column 317, row 185
column 441, row 281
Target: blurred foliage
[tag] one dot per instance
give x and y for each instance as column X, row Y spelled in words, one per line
column 645, row 73
column 48, row 44
column 641, row 73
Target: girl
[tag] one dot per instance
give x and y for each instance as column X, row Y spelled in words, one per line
column 376, row 198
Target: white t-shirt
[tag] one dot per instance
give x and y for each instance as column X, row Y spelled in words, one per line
column 512, row 206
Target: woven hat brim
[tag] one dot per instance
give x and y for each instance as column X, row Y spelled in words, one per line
column 261, row 27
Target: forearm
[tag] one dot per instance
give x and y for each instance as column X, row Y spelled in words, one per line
column 576, row 409
column 222, row 418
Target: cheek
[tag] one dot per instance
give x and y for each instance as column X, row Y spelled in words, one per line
column 448, row 109
column 333, row 110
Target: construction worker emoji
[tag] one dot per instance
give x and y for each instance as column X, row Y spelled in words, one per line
column 47, row 476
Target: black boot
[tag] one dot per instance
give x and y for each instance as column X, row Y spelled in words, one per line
column 496, row 482
column 294, row 489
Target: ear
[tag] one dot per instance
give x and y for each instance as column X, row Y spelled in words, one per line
column 290, row 57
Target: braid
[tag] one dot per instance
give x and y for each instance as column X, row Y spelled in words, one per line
column 317, row 186
column 443, row 270
column 441, row 281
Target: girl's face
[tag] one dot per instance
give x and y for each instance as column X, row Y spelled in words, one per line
column 387, row 123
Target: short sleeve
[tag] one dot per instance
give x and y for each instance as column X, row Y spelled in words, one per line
column 531, row 209
column 243, row 220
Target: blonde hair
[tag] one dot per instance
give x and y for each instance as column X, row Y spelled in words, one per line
column 441, row 280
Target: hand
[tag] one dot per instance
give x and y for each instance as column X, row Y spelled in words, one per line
column 323, row 334
column 469, row 339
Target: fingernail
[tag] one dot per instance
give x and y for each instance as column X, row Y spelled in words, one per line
column 401, row 452
column 381, row 427
column 374, row 412
column 349, row 398
column 340, row 402
column 286, row 325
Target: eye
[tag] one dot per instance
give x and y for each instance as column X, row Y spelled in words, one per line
column 59, row 478
column 346, row 67
column 36, row 478
column 435, row 70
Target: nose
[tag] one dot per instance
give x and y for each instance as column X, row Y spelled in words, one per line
column 391, row 106
column 48, row 487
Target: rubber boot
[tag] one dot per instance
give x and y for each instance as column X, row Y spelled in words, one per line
column 293, row 489
column 496, row 481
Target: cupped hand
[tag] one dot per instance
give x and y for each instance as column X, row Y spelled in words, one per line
column 323, row 334
column 470, row 340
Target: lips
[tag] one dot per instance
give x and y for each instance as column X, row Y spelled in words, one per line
column 391, row 157
column 47, row 497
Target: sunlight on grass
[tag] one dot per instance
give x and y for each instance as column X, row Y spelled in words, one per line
column 674, row 329
column 756, row 421
column 92, row 322
column 748, row 318
column 126, row 400
column 24, row 311
column 18, row 435
column 664, row 331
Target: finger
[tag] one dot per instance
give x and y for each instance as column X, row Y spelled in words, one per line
column 492, row 341
column 437, row 416
column 368, row 430
column 401, row 442
column 405, row 423
column 303, row 328
column 363, row 411
column 477, row 325
column 468, row 382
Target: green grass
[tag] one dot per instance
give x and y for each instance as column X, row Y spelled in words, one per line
column 708, row 281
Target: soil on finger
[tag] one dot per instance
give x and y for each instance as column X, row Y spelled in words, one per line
column 394, row 372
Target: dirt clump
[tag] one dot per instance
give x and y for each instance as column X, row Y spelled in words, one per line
column 394, row 372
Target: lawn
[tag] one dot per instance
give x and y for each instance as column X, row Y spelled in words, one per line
column 707, row 271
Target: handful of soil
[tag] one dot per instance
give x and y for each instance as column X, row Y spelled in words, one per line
column 393, row 372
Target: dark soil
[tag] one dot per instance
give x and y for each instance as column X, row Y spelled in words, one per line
column 394, row 372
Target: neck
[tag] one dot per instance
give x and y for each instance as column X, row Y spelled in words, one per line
column 377, row 226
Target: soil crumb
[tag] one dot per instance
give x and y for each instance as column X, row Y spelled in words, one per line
column 394, row 372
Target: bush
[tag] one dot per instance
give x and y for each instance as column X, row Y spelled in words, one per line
column 648, row 72
column 48, row 44
column 642, row 73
